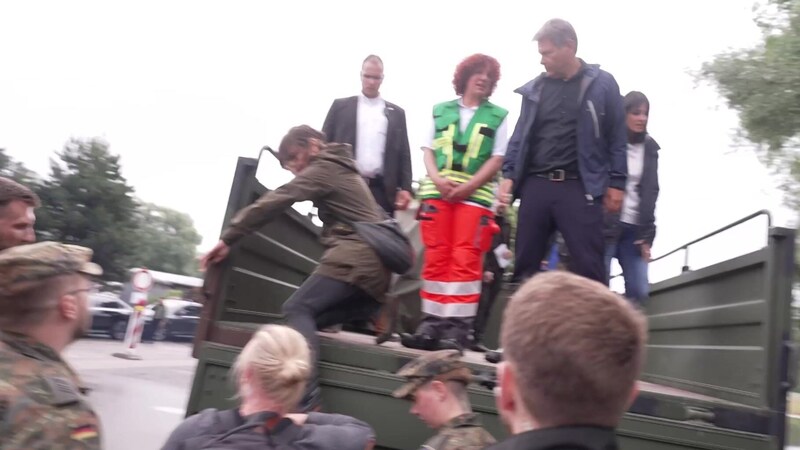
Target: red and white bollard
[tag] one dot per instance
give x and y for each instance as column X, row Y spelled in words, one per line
column 141, row 281
column 133, row 336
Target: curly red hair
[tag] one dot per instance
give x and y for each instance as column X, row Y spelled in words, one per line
column 472, row 65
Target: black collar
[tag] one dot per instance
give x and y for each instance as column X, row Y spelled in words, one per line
column 568, row 437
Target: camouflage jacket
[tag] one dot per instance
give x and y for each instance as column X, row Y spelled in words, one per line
column 462, row 433
column 41, row 404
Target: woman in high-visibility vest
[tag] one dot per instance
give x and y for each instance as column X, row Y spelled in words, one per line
column 466, row 148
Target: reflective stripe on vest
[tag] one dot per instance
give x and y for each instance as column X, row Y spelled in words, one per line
column 447, row 143
column 474, row 144
column 484, row 195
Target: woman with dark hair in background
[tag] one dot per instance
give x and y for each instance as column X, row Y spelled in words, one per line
column 630, row 233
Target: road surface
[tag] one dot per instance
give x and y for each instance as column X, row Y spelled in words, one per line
column 139, row 402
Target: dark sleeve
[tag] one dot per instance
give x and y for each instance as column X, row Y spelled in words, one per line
column 311, row 184
column 184, row 431
column 329, row 125
column 616, row 136
column 648, row 229
column 45, row 412
column 514, row 144
column 336, row 431
column 405, row 156
column 505, row 230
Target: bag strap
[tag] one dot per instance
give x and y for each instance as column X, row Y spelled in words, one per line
column 271, row 421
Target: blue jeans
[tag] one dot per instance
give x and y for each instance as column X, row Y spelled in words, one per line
column 634, row 267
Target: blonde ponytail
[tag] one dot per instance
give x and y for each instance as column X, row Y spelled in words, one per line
column 279, row 359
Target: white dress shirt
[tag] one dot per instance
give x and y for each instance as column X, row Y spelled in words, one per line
column 630, row 204
column 371, row 125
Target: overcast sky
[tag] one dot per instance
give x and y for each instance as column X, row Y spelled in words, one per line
column 180, row 89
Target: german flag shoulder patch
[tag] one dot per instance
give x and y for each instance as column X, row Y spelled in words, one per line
column 84, row 432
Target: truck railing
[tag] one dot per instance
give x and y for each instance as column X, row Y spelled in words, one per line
column 685, row 247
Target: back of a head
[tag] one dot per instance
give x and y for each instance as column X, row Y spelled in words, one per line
column 576, row 349
column 279, row 359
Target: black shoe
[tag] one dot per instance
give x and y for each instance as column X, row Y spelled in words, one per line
column 479, row 347
column 494, row 356
column 418, row 341
column 448, row 344
column 384, row 337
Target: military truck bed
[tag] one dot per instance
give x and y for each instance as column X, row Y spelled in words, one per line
column 719, row 353
column 478, row 362
column 475, row 360
column 358, row 378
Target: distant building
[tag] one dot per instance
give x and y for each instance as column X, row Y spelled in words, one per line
column 164, row 283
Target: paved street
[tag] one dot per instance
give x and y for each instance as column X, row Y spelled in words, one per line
column 139, row 402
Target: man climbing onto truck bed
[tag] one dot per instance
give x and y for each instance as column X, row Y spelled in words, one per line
column 350, row 279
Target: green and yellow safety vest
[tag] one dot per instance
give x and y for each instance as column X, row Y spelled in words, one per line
column 460, row 155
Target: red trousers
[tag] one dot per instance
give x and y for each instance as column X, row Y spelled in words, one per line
column 456, row 236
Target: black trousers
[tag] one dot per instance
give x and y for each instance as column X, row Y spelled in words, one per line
column 458, row 329
column 378, row 190
column 321, row 302
column 546, row 206
column 489, row 292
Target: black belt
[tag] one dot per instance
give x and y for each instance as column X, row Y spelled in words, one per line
column 377, row 180
column 559, row 175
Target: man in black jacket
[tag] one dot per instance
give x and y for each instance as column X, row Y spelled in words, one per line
column 376, row 129
column 573, row 351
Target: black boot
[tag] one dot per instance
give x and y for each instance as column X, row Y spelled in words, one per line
column 477, row 343
column 494, row 356
column 478, row 346
column 419, row 341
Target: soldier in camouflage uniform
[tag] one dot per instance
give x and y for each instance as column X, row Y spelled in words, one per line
column 44, row 292
column 437, row 385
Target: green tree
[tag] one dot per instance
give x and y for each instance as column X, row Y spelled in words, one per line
column 87, row 201
column 763, row 85
column 17, row 171
column 167, row 240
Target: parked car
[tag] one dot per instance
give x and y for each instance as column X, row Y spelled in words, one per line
column 109, row 315
column 181, row 319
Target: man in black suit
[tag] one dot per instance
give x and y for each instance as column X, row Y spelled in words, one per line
column 377, row 131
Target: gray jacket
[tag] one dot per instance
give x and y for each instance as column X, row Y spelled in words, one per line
column 214, row 429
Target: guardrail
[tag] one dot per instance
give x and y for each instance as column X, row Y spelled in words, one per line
column 685, row 247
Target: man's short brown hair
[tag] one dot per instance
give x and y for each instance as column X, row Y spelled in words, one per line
column 576, row 349
column 10, row 190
